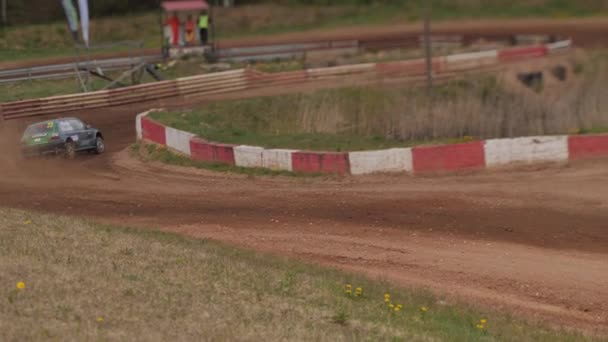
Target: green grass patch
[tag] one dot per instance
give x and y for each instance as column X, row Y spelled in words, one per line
column 152, row 152
column 594, row 130
column 88, row 281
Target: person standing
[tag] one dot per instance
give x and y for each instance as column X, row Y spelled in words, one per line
column 174, row 23
column 203, row 27
column 190, row 30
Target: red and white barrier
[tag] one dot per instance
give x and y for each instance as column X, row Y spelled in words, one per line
column 153, row 131
column 448, row 157
column 559, row 46
column 518, row 53
column 277, row 160
column 587, row 146
column 319, row 73
column 393, row 160
column 248, row 156
column 526, row 150
column 178, row 140
column 203, row 150
column 138, row 127
column 320, row 162
column 474, row 60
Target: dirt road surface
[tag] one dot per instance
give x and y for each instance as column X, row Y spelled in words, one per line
column 532, row 240
column 585, row 32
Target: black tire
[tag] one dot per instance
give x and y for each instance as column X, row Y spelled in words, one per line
column 100, row 145
column 70, row 150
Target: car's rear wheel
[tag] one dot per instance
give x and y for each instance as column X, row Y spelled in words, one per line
column 70, row 150
column 100, row 145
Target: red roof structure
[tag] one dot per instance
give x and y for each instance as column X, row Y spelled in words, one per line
column 181, row 6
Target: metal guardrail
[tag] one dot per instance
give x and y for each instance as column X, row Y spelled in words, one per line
column 257, row 52
column 67, row 70
column 236, row 80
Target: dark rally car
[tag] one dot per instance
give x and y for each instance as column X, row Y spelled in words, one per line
column 65, row 136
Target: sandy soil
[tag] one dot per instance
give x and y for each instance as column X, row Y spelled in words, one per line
column 532, row 240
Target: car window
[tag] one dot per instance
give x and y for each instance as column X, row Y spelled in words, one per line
column 66, row 126
column 77, row 125
column 71, row 125
column 40, row 128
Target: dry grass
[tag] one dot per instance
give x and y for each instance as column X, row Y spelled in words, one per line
column 398, row 115
column 86, row 281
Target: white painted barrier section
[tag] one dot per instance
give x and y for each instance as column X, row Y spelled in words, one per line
column 472, row 55
column 553, row 47
column 340, row 70
column 526, row 149
column 213, row 76
column 393, row 160
column 278, row 159
column 138, row 128
column 178, row 140
column 472, row 60
column 248, row 156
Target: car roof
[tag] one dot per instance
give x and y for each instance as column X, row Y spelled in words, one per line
column 67, row 118
column 54, row 120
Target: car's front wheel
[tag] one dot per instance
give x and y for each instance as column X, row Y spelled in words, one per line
column 100, row 145
column 70, row 150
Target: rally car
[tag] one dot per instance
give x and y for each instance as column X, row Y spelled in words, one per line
column 65, row 136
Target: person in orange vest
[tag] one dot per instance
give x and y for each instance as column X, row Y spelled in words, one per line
column 190, row 27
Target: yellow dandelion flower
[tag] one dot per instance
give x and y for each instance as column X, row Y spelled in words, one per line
column 400, row 306
column 349, row 286
column 100, row 319
column 28, row 222
column 483, row 321
column 424, row 309
column 480, row 326
column 397, row 308
column 20, row 285
column 359, row 291
column 391, row 306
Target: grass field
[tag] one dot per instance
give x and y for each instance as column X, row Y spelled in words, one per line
column 35, row 41
column 67, row 279
column 375, row 117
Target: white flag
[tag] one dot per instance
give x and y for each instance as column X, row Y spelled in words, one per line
column 83, row 5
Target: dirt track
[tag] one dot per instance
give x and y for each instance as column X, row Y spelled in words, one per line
column 588, row 33
column 532, row 241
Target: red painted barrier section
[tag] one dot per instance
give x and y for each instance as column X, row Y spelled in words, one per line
column 311, row 162
column 211, row 152
column 592, row 146
column 153, row 131
column 522, row 52
column 449, row 157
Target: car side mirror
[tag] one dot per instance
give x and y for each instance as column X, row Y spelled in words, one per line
column 87, row 126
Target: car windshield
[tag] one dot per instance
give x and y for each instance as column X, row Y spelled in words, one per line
column 40, row 128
